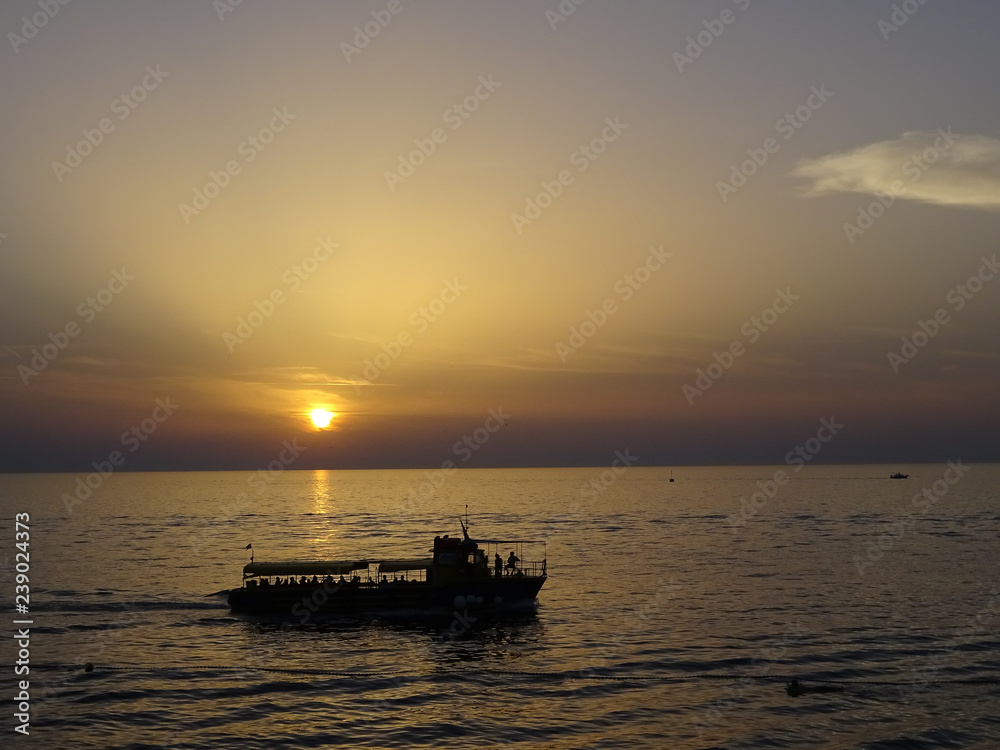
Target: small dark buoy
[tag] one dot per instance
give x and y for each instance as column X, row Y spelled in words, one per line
column 795, row 689
column 89, row 667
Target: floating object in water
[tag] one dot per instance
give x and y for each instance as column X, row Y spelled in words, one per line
column 795, row 689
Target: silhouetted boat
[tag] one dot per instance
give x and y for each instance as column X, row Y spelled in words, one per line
column 898, row 475
column 459, row 576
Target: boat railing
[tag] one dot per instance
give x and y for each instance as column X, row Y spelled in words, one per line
column 529, row 569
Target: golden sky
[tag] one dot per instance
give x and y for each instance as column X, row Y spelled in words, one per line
column 413, row 213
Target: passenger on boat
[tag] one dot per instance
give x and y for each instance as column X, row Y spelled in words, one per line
column 497, row 565
column 315, row 581
column 512, row 562
column 341, row 581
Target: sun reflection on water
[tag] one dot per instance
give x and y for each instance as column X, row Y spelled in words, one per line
column 323, row 542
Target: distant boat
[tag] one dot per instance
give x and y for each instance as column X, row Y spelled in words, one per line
column 671, row 475
column 899, row 475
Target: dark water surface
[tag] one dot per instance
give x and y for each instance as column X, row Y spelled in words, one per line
column 839, row 576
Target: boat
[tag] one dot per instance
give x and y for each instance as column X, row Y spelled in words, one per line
column 459, row 576
column 899, row 475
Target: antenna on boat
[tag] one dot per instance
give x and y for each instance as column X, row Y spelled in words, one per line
column 465, row 526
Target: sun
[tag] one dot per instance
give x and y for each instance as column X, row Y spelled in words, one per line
column 322, row 418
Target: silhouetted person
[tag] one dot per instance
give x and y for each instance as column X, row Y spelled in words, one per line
column 512, row 561
column 498, row 565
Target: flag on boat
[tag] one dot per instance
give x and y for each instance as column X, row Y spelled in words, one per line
column 249, row 546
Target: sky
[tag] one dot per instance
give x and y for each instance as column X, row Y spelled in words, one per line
column 529, row 233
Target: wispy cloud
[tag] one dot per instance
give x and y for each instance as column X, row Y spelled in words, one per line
column 942, row 167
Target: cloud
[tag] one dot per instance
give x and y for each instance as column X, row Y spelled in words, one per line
column 941, row 168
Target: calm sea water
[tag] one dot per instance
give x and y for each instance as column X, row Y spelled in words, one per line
column 839, row 576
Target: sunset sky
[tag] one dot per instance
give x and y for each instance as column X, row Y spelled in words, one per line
column 537, row 231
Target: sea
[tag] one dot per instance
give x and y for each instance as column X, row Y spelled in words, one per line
column 675, row 613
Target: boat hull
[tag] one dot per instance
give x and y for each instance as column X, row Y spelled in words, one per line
column 301, row 602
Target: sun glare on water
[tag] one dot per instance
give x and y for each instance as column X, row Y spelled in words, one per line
column 321, row 418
